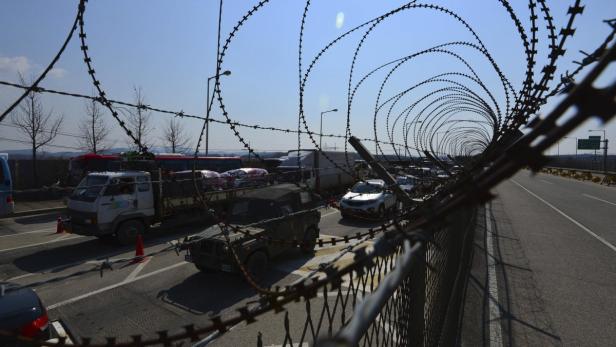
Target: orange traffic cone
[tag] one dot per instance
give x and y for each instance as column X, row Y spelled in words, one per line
column 139, row 250
column 59, row 226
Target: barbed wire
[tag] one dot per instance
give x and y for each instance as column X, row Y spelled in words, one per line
column 499, row 159
column 182, row 114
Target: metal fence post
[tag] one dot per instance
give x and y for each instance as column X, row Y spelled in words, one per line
column 417, row 282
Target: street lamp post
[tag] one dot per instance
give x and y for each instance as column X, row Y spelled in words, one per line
column 604, row 148
column 208, row 107
column 321, row 128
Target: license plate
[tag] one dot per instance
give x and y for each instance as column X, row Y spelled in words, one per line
column 188, row 257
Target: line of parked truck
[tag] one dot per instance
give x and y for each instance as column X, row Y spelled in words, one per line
column 121, row 204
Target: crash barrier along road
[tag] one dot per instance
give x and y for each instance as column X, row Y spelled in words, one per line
column 405, row 280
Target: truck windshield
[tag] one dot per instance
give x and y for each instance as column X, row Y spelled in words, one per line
column 405, row 181
column 366, row 188
column 89, row 188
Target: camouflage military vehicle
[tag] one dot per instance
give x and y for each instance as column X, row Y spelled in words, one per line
column 279, row 212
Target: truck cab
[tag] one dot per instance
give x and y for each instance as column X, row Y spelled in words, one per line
column 119, row 204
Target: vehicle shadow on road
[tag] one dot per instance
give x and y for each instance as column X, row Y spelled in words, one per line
column 37, row 219
column 60, row 258
column 211, row 293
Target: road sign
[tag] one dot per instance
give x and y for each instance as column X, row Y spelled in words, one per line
column 593, row 142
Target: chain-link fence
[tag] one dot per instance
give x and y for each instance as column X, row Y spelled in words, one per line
column 400, row 283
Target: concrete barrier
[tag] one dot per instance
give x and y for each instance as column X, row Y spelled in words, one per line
column 595, row 176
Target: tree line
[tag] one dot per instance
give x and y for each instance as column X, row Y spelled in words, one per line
column 40, row 127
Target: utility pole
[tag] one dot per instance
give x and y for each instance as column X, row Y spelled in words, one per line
column 321, row 127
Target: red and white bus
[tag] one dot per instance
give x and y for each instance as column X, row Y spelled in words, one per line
column 79, row 166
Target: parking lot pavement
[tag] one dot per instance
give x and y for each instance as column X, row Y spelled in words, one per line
column 162, row 292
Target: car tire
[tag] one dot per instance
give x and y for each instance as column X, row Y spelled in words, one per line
column 128, row 231
column 310, row 240
column 256, row 265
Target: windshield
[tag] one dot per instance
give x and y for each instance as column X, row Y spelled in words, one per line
column 89, row 188
column 405, row 181
column 366, row 188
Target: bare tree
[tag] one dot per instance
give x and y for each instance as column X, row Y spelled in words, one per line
column 174, row 135
column 139, row 121
column 38, row 126
column 93, row 129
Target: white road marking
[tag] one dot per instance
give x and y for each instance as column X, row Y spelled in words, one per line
column 544, row 181
column 61, row 333
column 61, row 238
column 496, row 337
column 138, row 269
column 113, row 286
column 103, row 258
column 330, row 213
column 30, row 232
column 294, row 344
column 596, row 198
column 580, row 225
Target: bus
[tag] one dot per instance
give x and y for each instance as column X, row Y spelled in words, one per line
column 81, row 165
column 6, row 186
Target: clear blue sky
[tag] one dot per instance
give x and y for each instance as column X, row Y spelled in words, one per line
column 169, row 48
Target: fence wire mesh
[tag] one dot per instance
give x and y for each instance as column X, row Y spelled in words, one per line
column 400, row 283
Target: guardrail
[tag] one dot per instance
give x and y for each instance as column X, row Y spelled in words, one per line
column 600, row 177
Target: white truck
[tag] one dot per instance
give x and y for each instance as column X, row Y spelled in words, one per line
column 124, row 203
column 320, row 173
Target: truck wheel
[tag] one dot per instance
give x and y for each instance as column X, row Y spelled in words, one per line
column 127, row 232
column 310, row 240
column 256, row 265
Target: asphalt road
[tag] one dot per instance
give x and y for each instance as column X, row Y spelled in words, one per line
column 163, row 292
column 549, row 240
column 552, row 243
